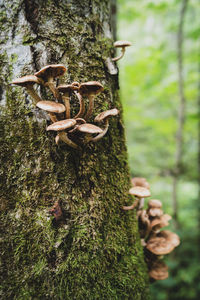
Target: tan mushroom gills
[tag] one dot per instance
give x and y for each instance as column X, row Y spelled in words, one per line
column 159, row 270
column 122, row 45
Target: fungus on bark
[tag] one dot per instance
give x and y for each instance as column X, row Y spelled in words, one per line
column 90, row 89
column 66, row 90
column 158, row 270
column 28, row 82
column 140, row 181
column 48, row 74
column 154, row 208
column 51, row 107
column 122, row 45
column 140, row 193
column 160, row 222
column 103, row 117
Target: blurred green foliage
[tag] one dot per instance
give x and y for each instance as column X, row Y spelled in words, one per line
column 149, row 92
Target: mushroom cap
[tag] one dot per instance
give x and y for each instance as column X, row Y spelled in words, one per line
column 89, row 128
column 140, row 181
column 51, row 71
column 159, row 270
column 119, row 44
column 51, row 106
column 61, row 125
column 163, row 243
column 27, row 80
column 90, row 88
column 67, row 88
column 155, row 212
column 140, row 192
column 160, row 222
column 105, row 114
column 154, row 203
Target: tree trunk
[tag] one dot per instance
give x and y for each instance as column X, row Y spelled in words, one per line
column 94, row 251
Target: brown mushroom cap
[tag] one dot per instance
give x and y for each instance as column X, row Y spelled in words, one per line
column 90, row 88
column 159, row 270
column 25, row 80
column 140, row 192
column 51, row 106
column 140, row 181
column 155, row 212
column 160, row 222
column 61, row 125
column 67, row 88
column 105, row 114
column 154, row 203
column 119, row 44
column 51, row 71
column 163, row 243
column 89, row 128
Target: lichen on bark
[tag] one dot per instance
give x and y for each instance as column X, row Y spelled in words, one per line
column 94, row 252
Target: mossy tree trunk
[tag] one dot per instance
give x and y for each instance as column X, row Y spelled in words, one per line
column 94, row 252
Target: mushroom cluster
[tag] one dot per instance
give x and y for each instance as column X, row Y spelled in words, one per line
column 156, row 242
column 75, row 130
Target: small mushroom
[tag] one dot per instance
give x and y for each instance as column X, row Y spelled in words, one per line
column 90, row 89
column 51, row 107
column 103, row 117
column 163, row 243
column 89, row 128
column 160, row 222
column 122, row 45
column 144, row 223
column 28, row 82
column 48, row 73
column 140, row 181
column 159, row 270
column 60, row 126
column 67, row 89
column 140, row 193
column 154, row 208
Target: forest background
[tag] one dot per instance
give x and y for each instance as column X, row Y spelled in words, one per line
column 160, row 91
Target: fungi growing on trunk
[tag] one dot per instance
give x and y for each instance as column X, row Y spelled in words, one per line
column 51, row 107
column 48, row 74
column 158, row 270
column 66, row 90
column 90, row 89
column 140, row 193
column 122, row 45
column 140, row 181
column 154, row 208
column 28, row 82
column 103, row 117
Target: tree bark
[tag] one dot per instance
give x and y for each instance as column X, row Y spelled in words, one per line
column 94, row 251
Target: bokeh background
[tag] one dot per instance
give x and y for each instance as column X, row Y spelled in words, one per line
column 162, row 120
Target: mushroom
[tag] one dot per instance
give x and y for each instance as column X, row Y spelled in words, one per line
column 48, row 73
column 163, row 243
column 51, row 107
column 122, row 45
column 66, row 89
column 61, row 126
column 88, row 129
column 160, row 222
column 90, row 89
column 144, row 223
column 159, row 270
column 154, row 208
column 140, row 193
column 103, row 117
column 140, row 181
column 28, row 82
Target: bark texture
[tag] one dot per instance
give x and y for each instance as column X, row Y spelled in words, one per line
column 94, row 252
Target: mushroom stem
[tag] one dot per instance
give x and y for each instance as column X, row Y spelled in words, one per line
column 131, row 206
column 100, row 135
column 82, row 106
column 141, row 203
column 52, row 117
column 63, row 136
column 121, row 55
column 33, row 94
column 67, row 106
column 50, row 84
column 90, row 106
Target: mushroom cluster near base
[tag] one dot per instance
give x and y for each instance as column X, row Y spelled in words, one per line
column 74, row 131
column 156, row 242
